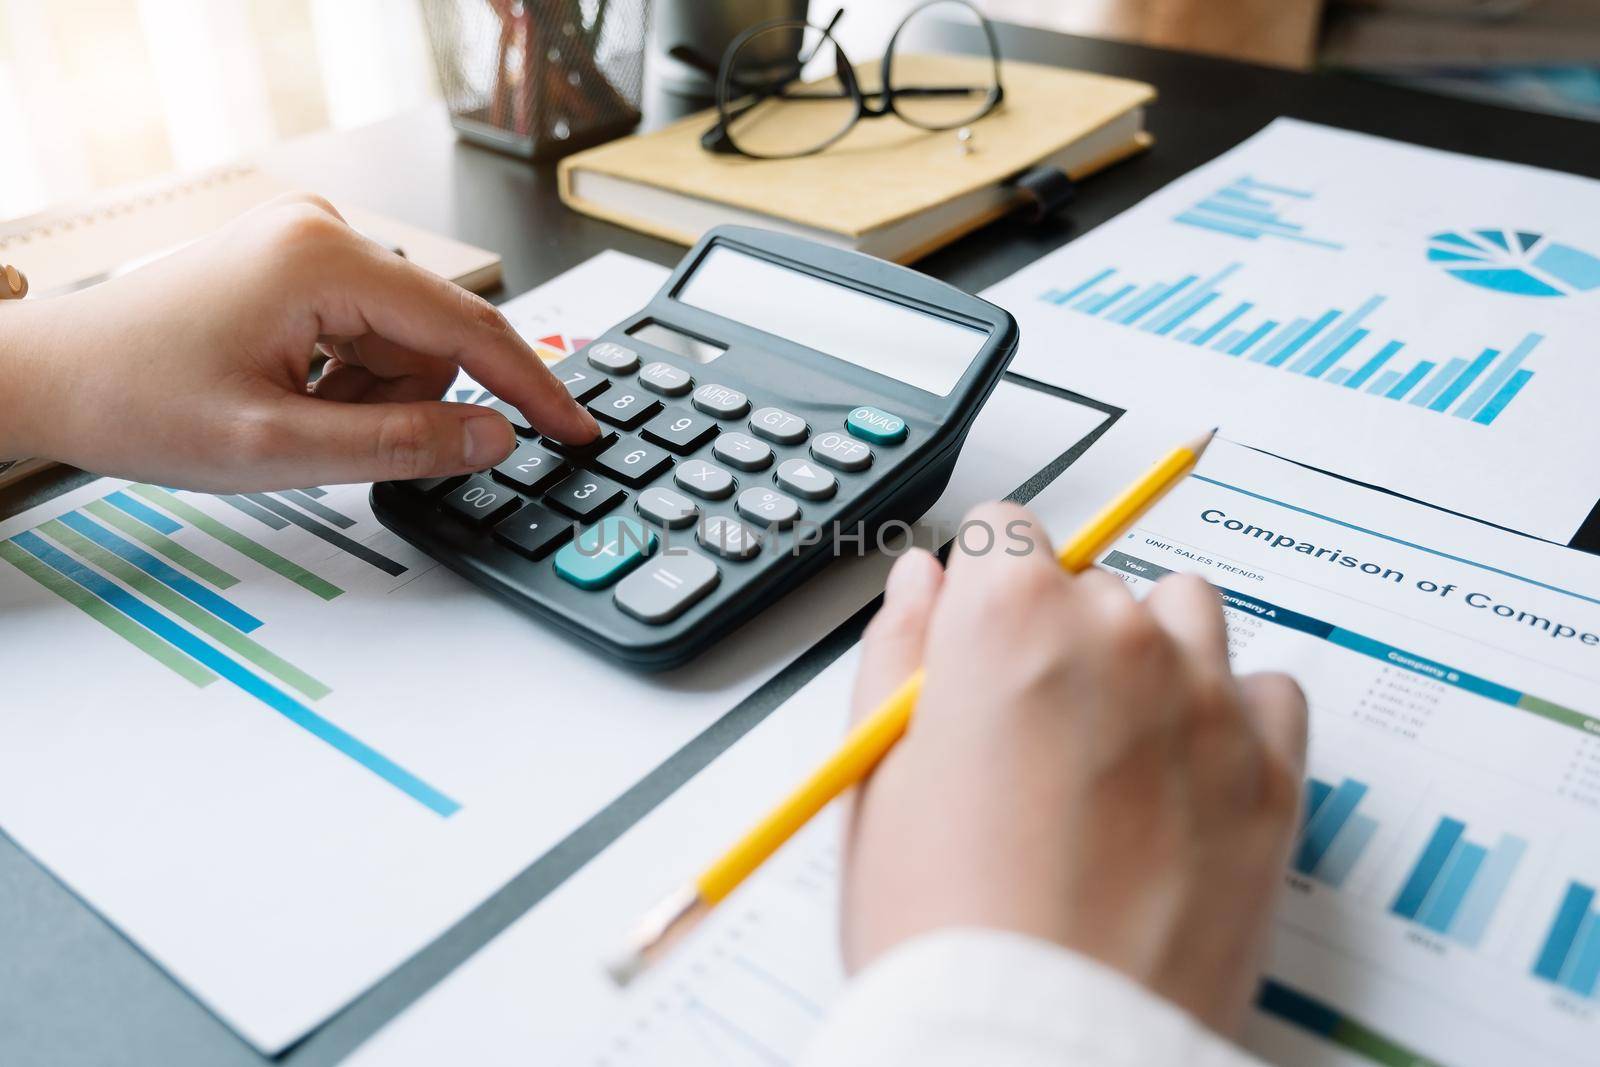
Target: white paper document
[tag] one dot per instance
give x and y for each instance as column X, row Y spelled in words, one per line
column 1440, row 906
column 1414, row 319
column 282, row 751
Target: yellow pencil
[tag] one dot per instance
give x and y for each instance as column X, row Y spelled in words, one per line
column 871, row 739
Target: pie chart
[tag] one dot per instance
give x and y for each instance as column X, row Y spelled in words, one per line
column 1515, row 261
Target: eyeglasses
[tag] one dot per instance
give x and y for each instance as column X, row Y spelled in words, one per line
column 786, row 89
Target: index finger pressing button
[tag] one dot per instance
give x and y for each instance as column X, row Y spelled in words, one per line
column 666, row 587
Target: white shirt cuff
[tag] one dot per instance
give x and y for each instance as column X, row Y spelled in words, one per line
column 972, row 996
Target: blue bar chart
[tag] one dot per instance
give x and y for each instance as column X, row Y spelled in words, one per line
column 1570, row 956
column 1456, row 884
column 1333, row 835
column 1330, row 345
column 123, row 562
column 1251, row 209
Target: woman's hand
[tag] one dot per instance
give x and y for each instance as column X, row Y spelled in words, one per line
column 1082, row 767
column 192, row 372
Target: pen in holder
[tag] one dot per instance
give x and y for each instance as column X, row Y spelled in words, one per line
column 539, row 78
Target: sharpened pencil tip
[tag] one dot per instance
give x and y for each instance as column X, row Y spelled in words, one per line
column 1198, row 445
column 660, row 926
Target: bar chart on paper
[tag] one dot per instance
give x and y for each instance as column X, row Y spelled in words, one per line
column 1333, row 834
column 1253, row 209
column 1330, row 345
column 1455, row 884
column 164, row 570
column 1570, row 955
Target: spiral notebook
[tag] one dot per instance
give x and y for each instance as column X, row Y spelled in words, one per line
column 79, row 244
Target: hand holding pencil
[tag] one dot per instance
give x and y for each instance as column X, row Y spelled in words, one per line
column 1084, row 768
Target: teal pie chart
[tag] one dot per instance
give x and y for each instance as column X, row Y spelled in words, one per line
column 1515, row 261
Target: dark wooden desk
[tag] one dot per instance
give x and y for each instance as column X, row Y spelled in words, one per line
column 73, row 991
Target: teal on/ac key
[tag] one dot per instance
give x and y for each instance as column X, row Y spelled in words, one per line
column 604, row 552
column 876, row 425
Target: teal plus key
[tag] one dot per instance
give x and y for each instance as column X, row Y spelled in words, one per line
column 876, row 425
column 605, row 552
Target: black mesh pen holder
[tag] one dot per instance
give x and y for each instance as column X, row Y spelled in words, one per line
column 539, row 78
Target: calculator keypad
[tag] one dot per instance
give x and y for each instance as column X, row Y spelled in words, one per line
column 626, row 408
column 570, row 526
column 584, row 496
column 666, row 587
column 743, row 451
column 721, row 401
column 680, row 430
column 704, row 479
column 806, row 479
column 531, row 469
column 632, row 462
column 480, row 501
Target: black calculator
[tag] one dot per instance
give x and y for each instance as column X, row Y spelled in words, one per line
column 775, row 399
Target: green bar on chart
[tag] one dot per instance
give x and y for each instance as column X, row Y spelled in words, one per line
column 203, row 621
column 239, row 542
column 159, row 542
column 107, row 616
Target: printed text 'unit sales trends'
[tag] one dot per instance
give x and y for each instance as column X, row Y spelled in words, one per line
column 119, row 560
column 1329, row 345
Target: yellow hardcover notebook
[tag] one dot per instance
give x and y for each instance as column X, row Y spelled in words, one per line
column 887, row 188
column 73, row 244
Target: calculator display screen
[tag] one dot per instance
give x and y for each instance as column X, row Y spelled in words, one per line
column 911, row 346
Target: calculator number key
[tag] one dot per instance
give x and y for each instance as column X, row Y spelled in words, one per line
column 584, row 496
column 778, row 425
column 602, row 553
column 626, row 408
column 612, row 357
column 721, row 401
column 806, row 479
column 519, row 422
column 768, row 507
column 876, row 425
column 480, row 501
column 666, row 587
column 704, row 480
column 535, row 530
column 531, row 469
column 582, row 383
column 632, row 462
column 728, row 538
column 743, row 451
column 841, row 452
column 679, row 431
column 665, row 379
